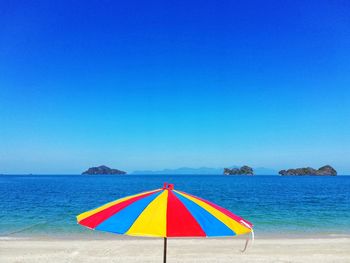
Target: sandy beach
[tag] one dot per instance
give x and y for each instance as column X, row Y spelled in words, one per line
column 179, row 250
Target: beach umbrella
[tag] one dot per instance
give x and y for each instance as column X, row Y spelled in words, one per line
column 165, row 213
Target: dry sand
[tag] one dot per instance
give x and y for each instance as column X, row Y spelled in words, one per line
column 37, row 250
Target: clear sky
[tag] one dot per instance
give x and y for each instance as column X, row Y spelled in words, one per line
column 163, row 84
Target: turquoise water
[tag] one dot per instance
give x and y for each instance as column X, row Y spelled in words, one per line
column 47, row 205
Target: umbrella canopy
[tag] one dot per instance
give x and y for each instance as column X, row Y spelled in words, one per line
column 165, row 213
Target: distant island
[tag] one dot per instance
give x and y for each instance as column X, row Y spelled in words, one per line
column 102, row 170
column 324, row 171
column 244, row 170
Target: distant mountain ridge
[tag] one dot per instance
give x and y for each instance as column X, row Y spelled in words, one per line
column 204, row 171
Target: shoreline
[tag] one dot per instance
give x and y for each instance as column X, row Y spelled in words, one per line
column 112, row 237
column 100, row 235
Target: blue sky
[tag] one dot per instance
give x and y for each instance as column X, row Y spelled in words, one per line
column 162, row 84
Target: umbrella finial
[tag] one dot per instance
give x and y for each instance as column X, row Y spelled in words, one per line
column 168, row 186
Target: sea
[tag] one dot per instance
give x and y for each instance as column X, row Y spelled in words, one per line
column 47, row 205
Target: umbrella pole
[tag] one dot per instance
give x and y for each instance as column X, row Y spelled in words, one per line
column 164, row 253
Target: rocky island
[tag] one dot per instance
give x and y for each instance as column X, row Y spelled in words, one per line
column 244, row 170
column 324, row 171
column 102, row 170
